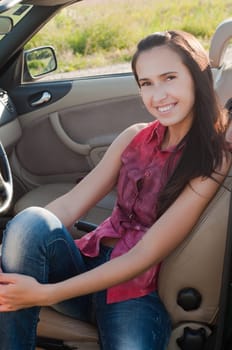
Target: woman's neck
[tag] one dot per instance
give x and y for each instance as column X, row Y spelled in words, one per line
column 174, row 135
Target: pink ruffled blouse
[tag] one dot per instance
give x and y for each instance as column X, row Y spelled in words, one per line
column 144, row 172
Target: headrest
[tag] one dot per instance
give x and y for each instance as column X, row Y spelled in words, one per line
column 219, row 42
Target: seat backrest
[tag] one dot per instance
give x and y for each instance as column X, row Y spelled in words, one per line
column 190, row 278
column 220, row 55
column 198, row 263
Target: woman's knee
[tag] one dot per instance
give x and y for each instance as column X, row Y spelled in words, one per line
column 30, row 228
column 30, row 223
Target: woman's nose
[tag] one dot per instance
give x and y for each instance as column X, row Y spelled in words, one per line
column 158, row 94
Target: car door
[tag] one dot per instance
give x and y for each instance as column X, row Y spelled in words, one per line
column 67, row 122
column 63, row 140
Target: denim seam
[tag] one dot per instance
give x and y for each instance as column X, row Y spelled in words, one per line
column 69, row 249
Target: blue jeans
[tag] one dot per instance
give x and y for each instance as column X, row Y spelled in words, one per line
column 37, row 244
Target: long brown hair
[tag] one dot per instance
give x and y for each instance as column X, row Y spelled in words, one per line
column 204, row 143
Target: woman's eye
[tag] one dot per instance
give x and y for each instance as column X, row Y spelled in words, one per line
column 145, row 83
column 171, row 77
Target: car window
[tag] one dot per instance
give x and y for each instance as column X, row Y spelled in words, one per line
column 95, row 37
column 77, row 46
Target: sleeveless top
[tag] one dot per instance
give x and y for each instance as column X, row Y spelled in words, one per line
column 144, row 172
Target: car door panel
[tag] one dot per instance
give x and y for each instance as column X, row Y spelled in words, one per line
column 26, row 94
column 64, row 140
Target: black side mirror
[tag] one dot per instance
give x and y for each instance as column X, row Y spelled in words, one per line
column 39, row 62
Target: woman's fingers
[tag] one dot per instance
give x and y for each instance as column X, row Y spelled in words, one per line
column 18, row 291
column 6, row 278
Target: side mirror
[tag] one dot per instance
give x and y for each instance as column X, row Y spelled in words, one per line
column 6, row 24
column 39, row 62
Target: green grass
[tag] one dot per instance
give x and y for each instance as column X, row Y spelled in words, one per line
column 99, row 32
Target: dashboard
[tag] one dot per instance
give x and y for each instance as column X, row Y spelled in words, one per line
column 7, row 109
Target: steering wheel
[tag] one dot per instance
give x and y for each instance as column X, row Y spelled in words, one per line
column 6, row 182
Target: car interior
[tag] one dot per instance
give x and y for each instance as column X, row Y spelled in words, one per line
column 55, row 132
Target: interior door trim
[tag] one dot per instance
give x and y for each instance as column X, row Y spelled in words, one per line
column 82, row 149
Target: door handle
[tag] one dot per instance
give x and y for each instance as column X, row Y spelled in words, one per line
column 46, row 96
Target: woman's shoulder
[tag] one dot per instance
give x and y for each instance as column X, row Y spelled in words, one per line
column 130, row 135
column 140, row 128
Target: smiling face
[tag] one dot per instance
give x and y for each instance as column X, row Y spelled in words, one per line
column 167, row 87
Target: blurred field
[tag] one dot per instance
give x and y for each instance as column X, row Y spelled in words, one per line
column 95, row 33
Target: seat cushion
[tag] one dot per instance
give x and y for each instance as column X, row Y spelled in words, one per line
column 44, row 194
column 58, row 326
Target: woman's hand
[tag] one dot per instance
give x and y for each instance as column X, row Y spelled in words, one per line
column 20, row 291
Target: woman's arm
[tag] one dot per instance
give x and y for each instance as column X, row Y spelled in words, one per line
column 71, row 206
column 159, row 241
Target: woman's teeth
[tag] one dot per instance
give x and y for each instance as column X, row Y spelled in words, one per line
column 165, row 108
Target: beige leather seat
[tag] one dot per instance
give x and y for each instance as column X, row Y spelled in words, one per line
column 190, row 278
column 44, row 194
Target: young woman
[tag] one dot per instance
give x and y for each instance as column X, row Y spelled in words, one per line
column 163, row 170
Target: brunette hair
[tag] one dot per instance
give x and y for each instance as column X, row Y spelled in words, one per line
column 204, row 143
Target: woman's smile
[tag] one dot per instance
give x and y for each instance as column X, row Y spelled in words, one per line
column 166, row 108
